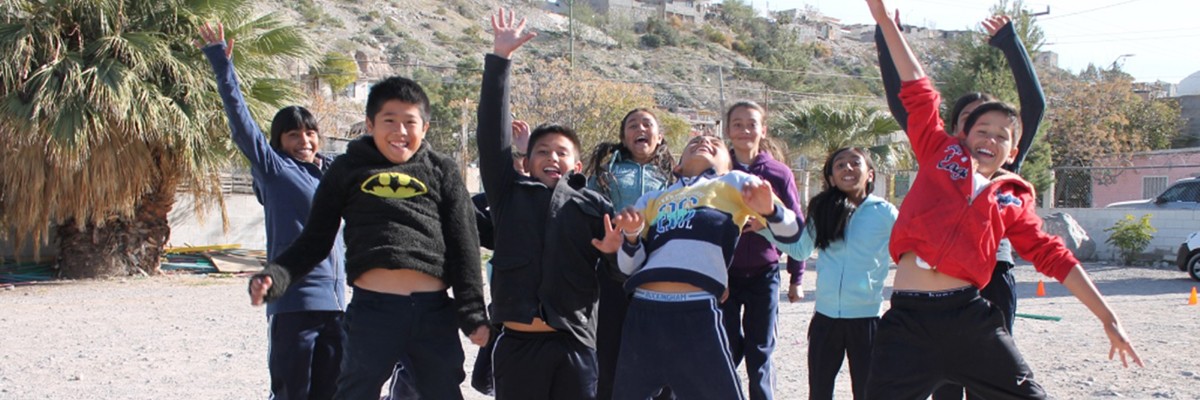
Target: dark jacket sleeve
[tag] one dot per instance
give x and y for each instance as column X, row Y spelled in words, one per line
column 463, row 267
column 317, row 238
column 891, row 80
column 495, row 131
column 1029, row 89
column 244, row 131
column 483, row 221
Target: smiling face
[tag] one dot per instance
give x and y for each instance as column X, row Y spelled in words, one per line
column 301, row 144
column 851, row 172
column 703, row 153
column 640, row 135
column 746, row 129
column 398, row 129
column 551, row 157
column 991, row 142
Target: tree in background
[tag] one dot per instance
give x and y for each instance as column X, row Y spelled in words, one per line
column 107, row 108
column 338, row 70
column 449, row 97
column 819, row 129
column 780, row 58
column 550, row 92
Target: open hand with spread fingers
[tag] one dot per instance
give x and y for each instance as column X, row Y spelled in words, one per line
column 508, row 34
column 213, row 36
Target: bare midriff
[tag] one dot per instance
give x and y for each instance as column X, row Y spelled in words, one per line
column 670, row 287
column 911, row 277
column 403, row 282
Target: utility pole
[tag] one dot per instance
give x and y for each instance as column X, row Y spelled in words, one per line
column 721, row 87
column 571, row 29
column 465, row 106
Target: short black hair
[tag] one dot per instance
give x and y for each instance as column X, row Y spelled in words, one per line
column 289, row 119
column 998, row 106
column 397, row 88
column 961, row 103
column 544, row 130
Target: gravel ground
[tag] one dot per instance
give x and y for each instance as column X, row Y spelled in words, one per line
column 196, row 337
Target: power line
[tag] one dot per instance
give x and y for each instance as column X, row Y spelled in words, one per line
column 1194, row 28
column 1123, row 39
column 1089, row 10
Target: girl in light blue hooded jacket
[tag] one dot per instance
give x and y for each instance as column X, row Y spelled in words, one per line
column 850, row 229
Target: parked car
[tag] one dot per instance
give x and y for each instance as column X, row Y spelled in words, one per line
column 1189, row 255
column 1183, row 195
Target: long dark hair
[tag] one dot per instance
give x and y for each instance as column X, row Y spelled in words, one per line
column 829, row 211
column 289, row 119
column 597, row 163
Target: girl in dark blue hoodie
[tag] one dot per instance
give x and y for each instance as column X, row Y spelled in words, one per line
column 305, row 324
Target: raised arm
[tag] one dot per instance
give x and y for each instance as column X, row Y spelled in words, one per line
column 891, row 79
column 243, row 130
column 1029, row 89
column 907, row 66
column 495, row 120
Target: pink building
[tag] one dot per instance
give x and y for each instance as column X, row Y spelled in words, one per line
column 1142, row 175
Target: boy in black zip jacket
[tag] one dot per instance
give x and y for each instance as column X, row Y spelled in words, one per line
column 410, row 235
column 544, row 283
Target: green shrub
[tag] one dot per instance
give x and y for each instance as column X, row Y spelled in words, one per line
column 652, row 41
column 1130, row 237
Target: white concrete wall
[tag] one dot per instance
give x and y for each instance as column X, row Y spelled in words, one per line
column 1173, row 227
column 246, row 223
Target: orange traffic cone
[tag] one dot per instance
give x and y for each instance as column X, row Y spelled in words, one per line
column 1041, row 291
column 1192, row 298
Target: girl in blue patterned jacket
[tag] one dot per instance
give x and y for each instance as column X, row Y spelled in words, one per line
column 624, row 171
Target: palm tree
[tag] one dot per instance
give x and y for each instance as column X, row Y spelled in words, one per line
column 107, row 108
column 819, row 129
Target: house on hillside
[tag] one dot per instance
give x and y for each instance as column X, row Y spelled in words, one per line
column 811, row 25
column 1141, row 175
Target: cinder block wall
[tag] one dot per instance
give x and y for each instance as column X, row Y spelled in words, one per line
column 1173, row 227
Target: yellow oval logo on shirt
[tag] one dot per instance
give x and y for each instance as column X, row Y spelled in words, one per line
column 394, row 185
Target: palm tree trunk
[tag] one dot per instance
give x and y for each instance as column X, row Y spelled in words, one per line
column 123, row 246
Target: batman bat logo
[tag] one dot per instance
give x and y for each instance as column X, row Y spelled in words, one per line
column 394, row 185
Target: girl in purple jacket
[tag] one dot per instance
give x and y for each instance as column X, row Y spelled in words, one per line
column 752, row 306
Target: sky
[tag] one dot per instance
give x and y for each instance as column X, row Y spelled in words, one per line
column 1150, row 39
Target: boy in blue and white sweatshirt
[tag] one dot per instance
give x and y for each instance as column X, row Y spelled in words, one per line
column 677, row 247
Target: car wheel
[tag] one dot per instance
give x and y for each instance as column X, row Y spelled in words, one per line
column 1194, row 266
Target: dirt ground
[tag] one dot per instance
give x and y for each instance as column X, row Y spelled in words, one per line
column 197, row 337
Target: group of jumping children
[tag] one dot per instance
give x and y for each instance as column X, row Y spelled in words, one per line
column 642, row 276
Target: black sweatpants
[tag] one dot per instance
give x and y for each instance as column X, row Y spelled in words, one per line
column 614, row 301
column 543, row 366
column 305, row 354
column 1002, row 293
column 929, row 338
column 676, row 344
column 829, row 341
column 418, row 331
